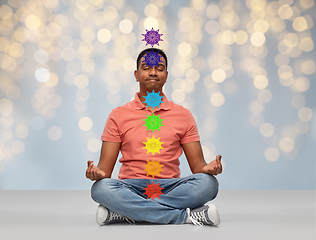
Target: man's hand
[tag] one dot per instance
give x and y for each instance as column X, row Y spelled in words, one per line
column 93, row 172
column 214, row 167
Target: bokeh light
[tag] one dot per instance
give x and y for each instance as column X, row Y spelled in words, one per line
column 54, row 133
column 85, row 123
column 94, row 145
column 271, row 154
column 305, row 114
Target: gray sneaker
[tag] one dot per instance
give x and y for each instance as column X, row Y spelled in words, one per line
column 105, row 216
column 207, row 214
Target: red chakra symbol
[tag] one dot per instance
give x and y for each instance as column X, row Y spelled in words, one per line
column 153, row 191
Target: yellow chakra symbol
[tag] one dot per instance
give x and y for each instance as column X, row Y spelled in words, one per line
column 153, row 168
column 153, row 145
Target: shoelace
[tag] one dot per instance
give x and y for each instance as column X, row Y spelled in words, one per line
column 197, row 218
column 115, row 216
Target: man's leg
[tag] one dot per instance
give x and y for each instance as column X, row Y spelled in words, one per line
column 127, row 198
column 188, row 192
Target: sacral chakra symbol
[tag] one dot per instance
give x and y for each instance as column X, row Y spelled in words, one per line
column 153, row 168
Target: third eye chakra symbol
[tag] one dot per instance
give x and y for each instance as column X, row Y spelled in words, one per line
column 152, row 58
column 152, row 37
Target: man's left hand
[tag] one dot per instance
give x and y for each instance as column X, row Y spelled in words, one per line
column 214, row 167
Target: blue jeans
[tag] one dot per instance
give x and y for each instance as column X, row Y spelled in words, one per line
column 126, row 197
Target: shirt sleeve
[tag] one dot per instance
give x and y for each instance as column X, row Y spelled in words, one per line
column 191, row 134
column 111, row 132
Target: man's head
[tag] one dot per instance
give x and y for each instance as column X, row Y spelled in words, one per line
column 151, row 78
column 142, row 53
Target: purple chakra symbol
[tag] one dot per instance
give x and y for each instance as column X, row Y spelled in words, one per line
column 152, row 58
column 152, row 37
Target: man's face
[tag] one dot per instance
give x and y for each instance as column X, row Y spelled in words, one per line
column 151, row 78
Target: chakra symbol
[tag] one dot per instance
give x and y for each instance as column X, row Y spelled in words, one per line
column 153, row 122
column 153, row 168
column 153, row 99
column 153, row 191
column 152, row 58
column 153, row 145
column 152, row 37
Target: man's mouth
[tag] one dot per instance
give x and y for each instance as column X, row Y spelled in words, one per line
column 152, row 79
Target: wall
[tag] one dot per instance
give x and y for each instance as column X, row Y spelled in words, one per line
column 246, row 70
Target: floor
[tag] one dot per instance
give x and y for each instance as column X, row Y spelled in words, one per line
column 244, row 215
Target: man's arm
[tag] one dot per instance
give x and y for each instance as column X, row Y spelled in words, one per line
column 194, row 154
column 108, row 157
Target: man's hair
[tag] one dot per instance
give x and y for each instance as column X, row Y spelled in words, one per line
column 159, row 51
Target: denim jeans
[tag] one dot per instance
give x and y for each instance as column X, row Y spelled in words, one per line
column 126, row 197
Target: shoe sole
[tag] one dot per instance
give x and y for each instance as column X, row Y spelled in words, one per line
column 213, row 214
column 101, row 215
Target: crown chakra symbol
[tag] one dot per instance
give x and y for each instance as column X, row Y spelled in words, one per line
column 152, row 37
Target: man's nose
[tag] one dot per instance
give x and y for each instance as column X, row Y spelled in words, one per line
column 153, row 71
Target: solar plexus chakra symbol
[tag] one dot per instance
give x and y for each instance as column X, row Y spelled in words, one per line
column 152, row 58
column 152, row 37
column 153, row 145
column 153, row 168
column 153, row 99
column 153, row 191
column 153, row 122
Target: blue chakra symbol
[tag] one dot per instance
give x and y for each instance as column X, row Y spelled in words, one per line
column 152, row 37
column 152, row 58
column 153, row 99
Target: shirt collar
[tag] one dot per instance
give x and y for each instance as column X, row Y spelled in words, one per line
column 139, row 105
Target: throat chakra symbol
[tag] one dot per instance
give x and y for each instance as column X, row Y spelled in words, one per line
column 153, row 99
column 153, row 122
column 152, row 37
column 153, row 168
column 153, row 145
column 153, row 191
column 152, row 58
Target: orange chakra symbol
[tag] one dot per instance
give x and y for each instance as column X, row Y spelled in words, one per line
column 153, row 168
column 153, row 191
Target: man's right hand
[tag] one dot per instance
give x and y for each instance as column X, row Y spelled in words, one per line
column 94, row 173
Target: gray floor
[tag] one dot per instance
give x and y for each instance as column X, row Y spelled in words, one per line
column 244, row 215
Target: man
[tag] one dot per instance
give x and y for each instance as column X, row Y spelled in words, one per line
column 149, row 188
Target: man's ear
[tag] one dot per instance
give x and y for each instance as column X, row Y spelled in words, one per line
column 135, row 75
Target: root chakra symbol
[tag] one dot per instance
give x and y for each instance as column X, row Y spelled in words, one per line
column 152, row 37
column 153, row 99
column 153, row 145
column 153, row 168
column 153, row 122
column 153, row 191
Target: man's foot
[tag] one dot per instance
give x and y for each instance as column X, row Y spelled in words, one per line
column 207, row 214
column 105, row 216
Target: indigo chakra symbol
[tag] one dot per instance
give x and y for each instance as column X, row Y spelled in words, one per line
column 152, row 37
column 152, row 58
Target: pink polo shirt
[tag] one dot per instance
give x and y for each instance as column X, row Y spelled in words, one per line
column 125, row 125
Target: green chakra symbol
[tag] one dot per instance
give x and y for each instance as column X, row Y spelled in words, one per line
column 153, row 122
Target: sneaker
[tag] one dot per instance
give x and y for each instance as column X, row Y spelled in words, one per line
column 105, row 216
column 207, row 214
